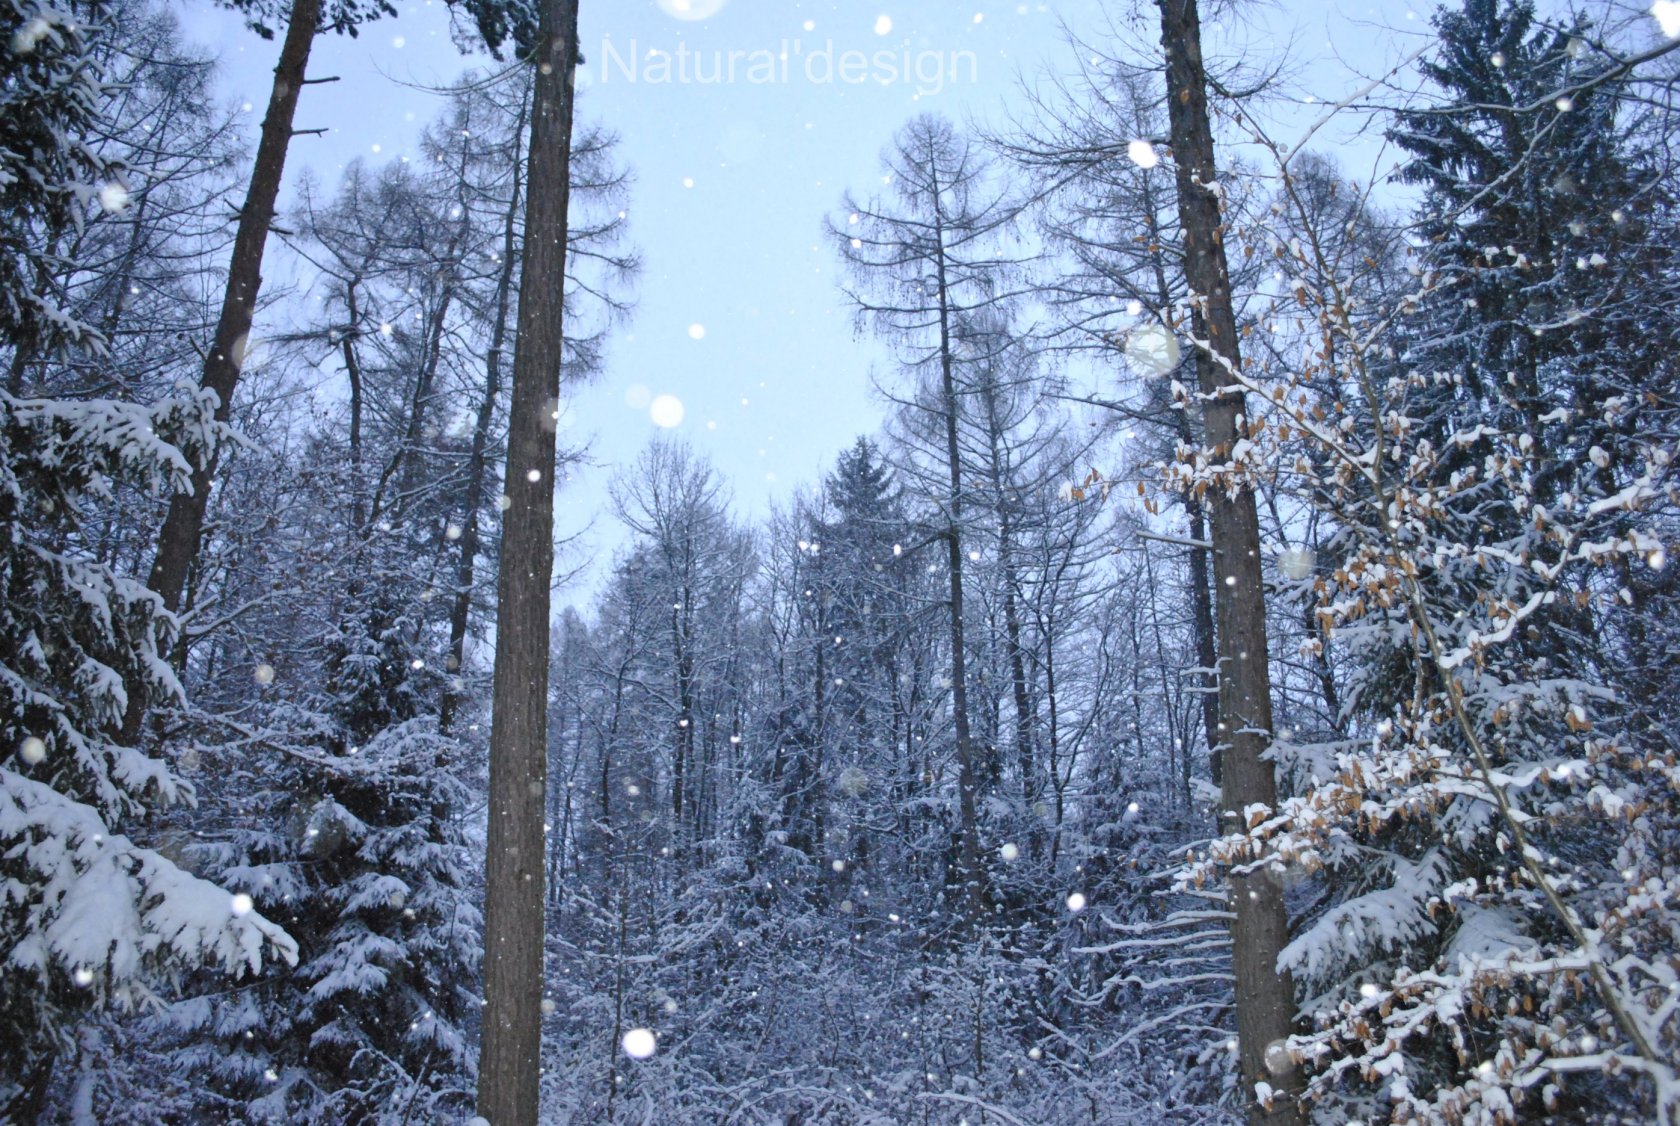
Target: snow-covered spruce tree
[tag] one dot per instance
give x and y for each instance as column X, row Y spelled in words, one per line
column 88, row 917
column 347, row 826
column 1513, row 957
column 339, row 806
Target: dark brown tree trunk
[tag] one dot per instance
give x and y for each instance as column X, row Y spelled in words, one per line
column 1201, row 607
column 178, row 542
column 509, row 1058
column 353, row 371
column 1025, row 720
column 1265, row 997
column 478, row 460
column 972, row 893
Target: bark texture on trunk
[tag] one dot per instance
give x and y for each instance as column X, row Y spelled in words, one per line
column 478, row 460
column 1265, row 997
column 510, row 1053
column 973, row 891
column 178, row 541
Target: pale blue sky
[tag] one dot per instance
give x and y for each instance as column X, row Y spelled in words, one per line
column 733, row 182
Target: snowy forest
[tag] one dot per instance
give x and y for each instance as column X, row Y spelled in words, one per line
column 1233, row 676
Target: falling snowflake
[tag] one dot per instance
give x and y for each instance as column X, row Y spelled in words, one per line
column 1667, row 14
column 691, row 10
column 1153, row 350
column 667, row 412
column 1296, row 563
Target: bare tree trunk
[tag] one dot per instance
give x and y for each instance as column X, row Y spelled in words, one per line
column 1265, row 996
column 478, row 459
column 1201, row 605
column 968, row 848
column 1025, row 720
column 509, row 1058
column 178, row 542
column 353, row 371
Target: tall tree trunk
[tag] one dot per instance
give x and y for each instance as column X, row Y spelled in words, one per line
column 353, row 372
column 1201, row 593
column 1025, row 720
column 478, row 460
column 968, row 848
column 1265, row 996
column 178, row 542
column 1201, row 605
column 509, row 1057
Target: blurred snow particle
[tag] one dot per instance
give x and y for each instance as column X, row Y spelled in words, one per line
column 241, row 904
column 854, row 783
column 1296, row 563
column 1152, row 350
column 32, row 751
column 691, row 10
column 113, row 197
column 697, row 332
column 1143, row 154
column 264, row 675
column 1010, row 852
column 638, row 1043
column 1076, row 902
column 883, row 25
column 1667, row 13
column 667, row 412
